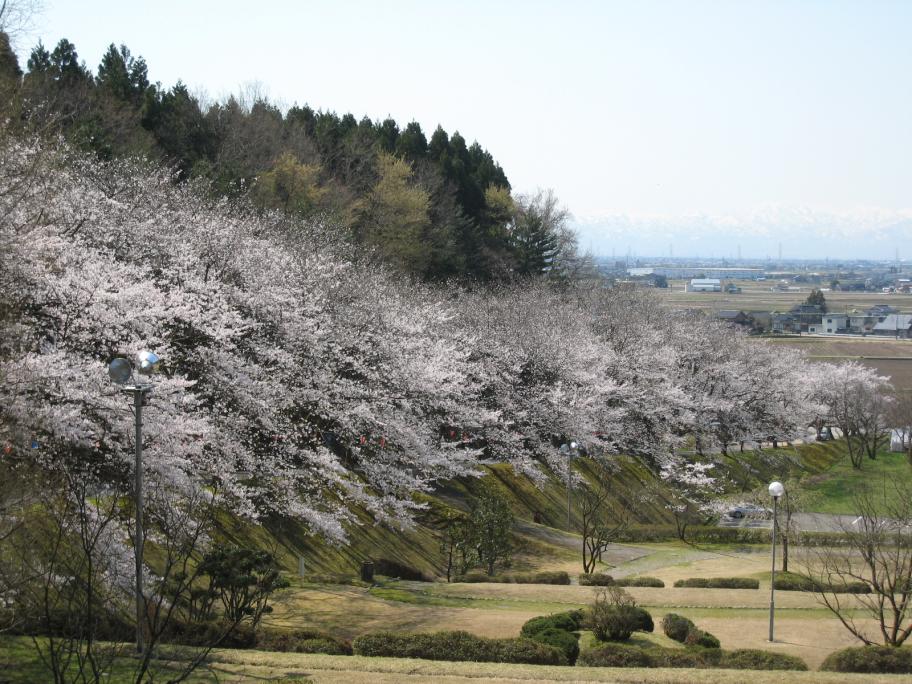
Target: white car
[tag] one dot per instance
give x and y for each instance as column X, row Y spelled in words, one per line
column 749, row 511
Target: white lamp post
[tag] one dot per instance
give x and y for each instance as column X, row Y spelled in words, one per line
column 121, row 373
column 776, row 490
column 570, row 451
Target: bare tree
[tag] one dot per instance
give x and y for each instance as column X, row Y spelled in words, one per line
column 17, row 17
column 598, row 525
column 871, row 571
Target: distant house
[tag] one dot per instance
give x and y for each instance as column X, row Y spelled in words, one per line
column 734, row 317
column 830, row 324
column 784, row 323
column 894, row 325
column 807, row 314
column 704, row 285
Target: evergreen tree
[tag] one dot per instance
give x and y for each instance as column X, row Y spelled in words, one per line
column 816, row 298
column 9, row 64
column 412, row 145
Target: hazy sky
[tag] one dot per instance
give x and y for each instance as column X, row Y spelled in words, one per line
column 685, row 126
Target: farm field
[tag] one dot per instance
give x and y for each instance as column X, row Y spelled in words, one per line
column 887, row 356
column 756, row 296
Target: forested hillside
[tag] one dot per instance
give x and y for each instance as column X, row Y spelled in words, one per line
column 435, row 208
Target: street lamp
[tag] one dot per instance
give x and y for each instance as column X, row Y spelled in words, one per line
column 776, row 490
column 121, row 373
column 570, row 451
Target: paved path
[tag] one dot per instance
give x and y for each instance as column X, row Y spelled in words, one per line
column 807, row 522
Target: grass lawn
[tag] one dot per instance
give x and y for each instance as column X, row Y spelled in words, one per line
column 836, row 488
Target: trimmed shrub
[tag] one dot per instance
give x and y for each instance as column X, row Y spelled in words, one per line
column 621, row 655
column 790, row 582
column 567, row 642
column 677, row 627
column 753, row 659
column 615, row 623
column 639, row 582
column 697, row 637
column 457, row 646
column 616, row 655
column 596, row 579
column 870, row 659
column 568, row 621
column 516, row 578
column 527, row 651
column 329, row 578
column 300, row 641
column 643, row 620
column 719, row 583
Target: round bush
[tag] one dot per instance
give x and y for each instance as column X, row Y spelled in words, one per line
column 753, row 659
column 870, row 659
column 616, row 655
column 697, row 637
column 644, row 620
column 616, row 623
column 677, row 627
column 568, row 621
column 567, row 642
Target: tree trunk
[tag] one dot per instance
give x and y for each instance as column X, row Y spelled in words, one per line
column 785, row 549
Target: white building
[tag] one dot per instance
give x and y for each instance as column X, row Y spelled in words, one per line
column 830, row 324
column 704, row 285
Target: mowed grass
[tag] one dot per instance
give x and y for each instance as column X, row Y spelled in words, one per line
column 739, row 617
column 835, row 490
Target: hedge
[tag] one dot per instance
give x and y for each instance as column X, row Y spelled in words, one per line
column 567, row 642
column 697, row 637
column 754, row 659
column 639, row 582
column 300, row 641
column 596, row 579
column 719, row 583
column 457, row 646
column 709, row 534
column 622, row 655
column 870, row 659
column 516, row 578
column 790, row 582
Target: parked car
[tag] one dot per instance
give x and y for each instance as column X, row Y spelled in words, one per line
column 749, row 511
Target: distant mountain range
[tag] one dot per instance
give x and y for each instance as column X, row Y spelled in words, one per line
column 801, row 233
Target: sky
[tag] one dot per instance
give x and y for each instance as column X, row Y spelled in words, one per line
column 686, row 128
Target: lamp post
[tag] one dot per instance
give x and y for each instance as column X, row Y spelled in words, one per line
column 121, row 373
column 776, row 490
column 569, row 450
